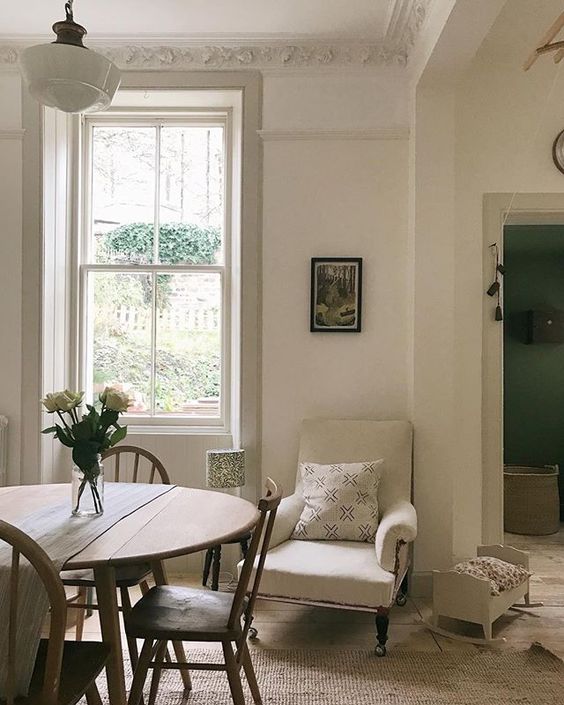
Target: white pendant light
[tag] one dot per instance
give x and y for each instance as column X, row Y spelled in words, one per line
column 67, row 75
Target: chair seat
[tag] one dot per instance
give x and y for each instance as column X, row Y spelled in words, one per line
column 174, row 613
column 82, row 663
column 336, row 572
column 126, row 576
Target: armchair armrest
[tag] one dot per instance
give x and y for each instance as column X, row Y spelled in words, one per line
column 287, row 517
column 398, row 523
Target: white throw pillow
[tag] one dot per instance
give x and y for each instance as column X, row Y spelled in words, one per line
column 341, row 501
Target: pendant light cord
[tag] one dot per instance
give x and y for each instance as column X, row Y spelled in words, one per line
column 68, row 10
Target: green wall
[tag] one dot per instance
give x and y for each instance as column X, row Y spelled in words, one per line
column 533, row 373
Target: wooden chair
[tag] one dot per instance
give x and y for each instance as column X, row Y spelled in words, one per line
column 168, row 613
column 127, row 576
column 64, row 671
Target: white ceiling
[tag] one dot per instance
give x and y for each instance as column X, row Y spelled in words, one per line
column 176, row 18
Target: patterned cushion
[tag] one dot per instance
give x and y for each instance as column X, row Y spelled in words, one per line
column 341, row 501
column 502, row 575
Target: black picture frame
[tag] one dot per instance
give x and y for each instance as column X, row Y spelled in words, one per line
column 336, row 295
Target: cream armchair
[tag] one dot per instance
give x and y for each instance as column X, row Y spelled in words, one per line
column 348, row 574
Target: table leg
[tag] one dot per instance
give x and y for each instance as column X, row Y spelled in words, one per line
column 159, row 574
column 207, row 566
column 216, row 567
column 105, row 577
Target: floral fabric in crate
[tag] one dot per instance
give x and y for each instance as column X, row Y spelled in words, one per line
column 341, row 501
column 502, row 575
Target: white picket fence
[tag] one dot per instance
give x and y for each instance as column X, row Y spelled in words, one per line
column 196, row 319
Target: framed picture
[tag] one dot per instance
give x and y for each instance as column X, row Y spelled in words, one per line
column 336, row 294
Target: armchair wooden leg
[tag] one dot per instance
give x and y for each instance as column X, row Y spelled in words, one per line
column 233, row 674
column 382, row 623
column 401, row 597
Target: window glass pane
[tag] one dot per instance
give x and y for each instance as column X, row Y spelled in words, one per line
column 123, row 194
column 120, row 335
column 188, row 354
column 191, row 195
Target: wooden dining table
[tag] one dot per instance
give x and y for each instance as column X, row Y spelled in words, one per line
column 177, row 523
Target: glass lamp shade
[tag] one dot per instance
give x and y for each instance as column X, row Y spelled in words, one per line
column 225, row 468
column 73, row 79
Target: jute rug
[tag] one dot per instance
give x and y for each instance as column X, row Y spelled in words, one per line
column 334, row 677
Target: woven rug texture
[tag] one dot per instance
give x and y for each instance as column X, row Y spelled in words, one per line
column 343, row 677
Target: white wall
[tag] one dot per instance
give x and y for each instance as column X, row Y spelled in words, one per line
column 340, row 195
column 11, row 170
column 506, row 121
column 481, row 125
column 342, row 191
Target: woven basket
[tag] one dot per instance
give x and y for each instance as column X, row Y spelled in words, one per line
column 532, row 504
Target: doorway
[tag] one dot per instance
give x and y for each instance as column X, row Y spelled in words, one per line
column 533, row 397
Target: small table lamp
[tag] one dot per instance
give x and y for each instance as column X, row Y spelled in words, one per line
column 225, row 468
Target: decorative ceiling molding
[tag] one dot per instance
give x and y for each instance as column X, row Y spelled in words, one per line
column 259, row 56
column 405, row 20
column 260, row 52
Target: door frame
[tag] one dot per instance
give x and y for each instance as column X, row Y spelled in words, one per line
column 499, row 210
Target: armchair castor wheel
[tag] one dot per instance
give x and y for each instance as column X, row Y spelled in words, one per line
column 401, row 599
column 253, row 633
column 380, row 650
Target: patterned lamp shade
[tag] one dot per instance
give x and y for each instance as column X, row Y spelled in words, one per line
column 225, row 468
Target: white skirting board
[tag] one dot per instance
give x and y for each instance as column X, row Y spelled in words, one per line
column 3, row 450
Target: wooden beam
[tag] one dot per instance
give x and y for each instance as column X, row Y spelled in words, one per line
column 552, row 31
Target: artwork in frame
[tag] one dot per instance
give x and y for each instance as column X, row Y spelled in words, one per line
column 336, row 294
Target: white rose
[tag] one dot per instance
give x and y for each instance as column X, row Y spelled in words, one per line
column 50, row 403
column 68, row 400
column 62, row 401
column 115, row 400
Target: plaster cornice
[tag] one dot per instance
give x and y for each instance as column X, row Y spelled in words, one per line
column 405, row 20
column 260, row 56
column 273, row 52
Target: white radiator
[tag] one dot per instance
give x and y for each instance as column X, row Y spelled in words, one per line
column 3, row 450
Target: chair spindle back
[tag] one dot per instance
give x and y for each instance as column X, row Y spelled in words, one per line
column 23, row 545
column 157, row 469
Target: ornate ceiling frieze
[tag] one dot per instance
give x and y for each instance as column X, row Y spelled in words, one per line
column 261, row 57
column 405, row 20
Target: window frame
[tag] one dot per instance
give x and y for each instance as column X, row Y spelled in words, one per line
column 230, row 318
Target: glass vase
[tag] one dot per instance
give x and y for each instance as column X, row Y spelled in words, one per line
column 88, row 490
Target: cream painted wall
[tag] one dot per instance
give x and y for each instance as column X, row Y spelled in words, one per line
column 506, row 121
column 11, row 171
column 331, row 198
column 340, row 195
column 497, row 130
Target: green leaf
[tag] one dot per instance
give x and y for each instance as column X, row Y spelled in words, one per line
column 64, row 437
column 85, row 454
column 118, row 435
column 82, row 431
column 51, row 429
column 108, row 418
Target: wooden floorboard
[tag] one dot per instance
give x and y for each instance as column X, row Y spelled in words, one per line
column 283, row 625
